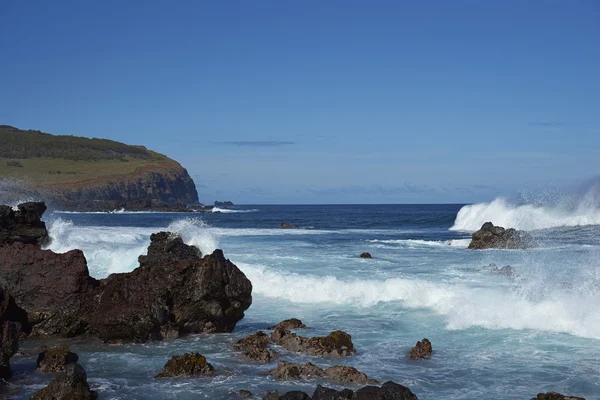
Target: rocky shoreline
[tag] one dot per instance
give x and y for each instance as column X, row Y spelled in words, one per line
column 174, row 292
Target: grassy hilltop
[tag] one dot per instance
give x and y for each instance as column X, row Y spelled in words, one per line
column 74, row 170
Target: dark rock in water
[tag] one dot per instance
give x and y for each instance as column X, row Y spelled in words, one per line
column 223, row 203
column 173, row 292
column 422, row 349
column 323, row 393
column 294, row 395
column 285, row 225
column 244, row 393
column 254, row 348
column 24, row 225
column 292, row 323
column 271, row 395
column 69, row 385
column 555, row 396
column 336, row 344
column 171, row 296
column 289, row 371
column 387, row 391
column 189, row 364
column 366, row 255
column 346, row 374
column 56, row 359
column 496, row 237
column 13, row 321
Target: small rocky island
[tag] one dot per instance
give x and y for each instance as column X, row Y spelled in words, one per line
column 496, row 237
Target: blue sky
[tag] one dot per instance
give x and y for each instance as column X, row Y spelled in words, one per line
column 320, row 102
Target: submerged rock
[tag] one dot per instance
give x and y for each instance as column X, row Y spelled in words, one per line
column 289, row 371
column 422, row 349
column 292, row 323
column 366, row 255
column 555, row 396
column 69, row 385
column 254, row 348
column 189, row 364
column 336, row 344
column 496, row 237
column 56, row 359
column 13, row 321
column 285, row 225
column 173, row 292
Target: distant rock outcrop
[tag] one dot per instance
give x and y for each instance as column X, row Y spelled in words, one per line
column 422, row 349
column 285, row 225
column 173, row 292
column 366, row 255
column 223, row 203
column 496, row 237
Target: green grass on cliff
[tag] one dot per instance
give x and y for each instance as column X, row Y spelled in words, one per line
column 43, row 159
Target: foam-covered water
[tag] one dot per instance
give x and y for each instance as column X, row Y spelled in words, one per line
column 495, row 336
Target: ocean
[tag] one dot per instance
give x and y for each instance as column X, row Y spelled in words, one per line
column 494, row 335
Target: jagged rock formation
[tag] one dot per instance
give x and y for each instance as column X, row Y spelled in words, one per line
column 422, row 349
column 496, row 237
column 555, row 396
column 13, row 321
column 56, row 359
column 336, row 344
column 387, row 391
column 76, row 173
column 173, row 292
column 338, row 373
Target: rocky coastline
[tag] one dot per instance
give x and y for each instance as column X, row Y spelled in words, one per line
column 174, row 292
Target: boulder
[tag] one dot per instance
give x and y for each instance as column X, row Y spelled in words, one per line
column 294, row 395
column 23, row 225
column 13, row 321
column 324, row 393
column 189, row 364
column 422, row 349
column 254, row 348
column 292, row 323
column 555, row 396
column 366, row 255
column 171, row 295
column 69, row 385
column 336, row 344
column 289, row 371
column 346, row 374
column 56, row 359
column 387, row 391
column 496, row 237
column 173, row 292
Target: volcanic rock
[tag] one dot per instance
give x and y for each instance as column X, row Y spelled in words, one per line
column 387, row 391
column 292, row 323
column 555, row 396
column 254, row 348
column 56, row 359
column 346, row 374
column 366, row 255
column 324, row 393
column 173, row 292
column 496, row 237
column 336, row 344
column 13, row 321
column 189, row 364
column 69, row 385
column 422, row 349
column 23, row 225
column 338, row 373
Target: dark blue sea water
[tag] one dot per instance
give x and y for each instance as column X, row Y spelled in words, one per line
column 494, row 336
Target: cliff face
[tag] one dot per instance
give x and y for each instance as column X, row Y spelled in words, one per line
column 166, row 184
column 76, row 173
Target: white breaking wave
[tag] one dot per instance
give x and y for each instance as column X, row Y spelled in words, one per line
column 227, row 210
column 415, row 243
column 528, row 216
column 461, row 305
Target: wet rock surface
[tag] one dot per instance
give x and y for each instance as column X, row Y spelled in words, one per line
column 387, row 391
column 366, row 255
column 421, row 350
column 292, row 323
column 338, row 373
column 13, row 321
column 189, row 364
column 23, row 225
column 254, row 348
column 69, row 385
column 336, row 344
column 56, row 359
column 555, row 396
column 496, row 237
column 173, row 292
